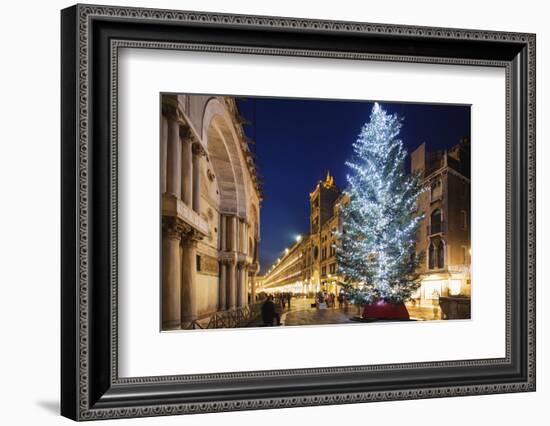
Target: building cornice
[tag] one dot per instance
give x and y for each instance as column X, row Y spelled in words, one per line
column 447, row 169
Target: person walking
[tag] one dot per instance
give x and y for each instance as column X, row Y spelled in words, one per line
column 268, row 311
column 322, row 301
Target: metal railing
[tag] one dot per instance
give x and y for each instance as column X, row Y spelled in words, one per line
column 231, row 318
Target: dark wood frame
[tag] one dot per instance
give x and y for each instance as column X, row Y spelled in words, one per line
column 90, row 386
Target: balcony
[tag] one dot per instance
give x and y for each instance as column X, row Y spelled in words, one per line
column 174, row 207
column 437, row 228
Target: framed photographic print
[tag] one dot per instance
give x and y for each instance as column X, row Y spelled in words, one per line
column 263, row 212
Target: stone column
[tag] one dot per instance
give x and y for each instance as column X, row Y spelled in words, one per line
column 171, row 279
column 237, row 234
column 223, row 231
column 163, row 151
column 231, row 287
column 245, row 242
column 240, row 284
column 252, row 288
column 237, row 238
column 186, row 168
column 188, row 279
column 233, row 232
column 197, row 154
column 173, row 159
column 245, row 285
column 241, row 226
column 243, row 236
column 222, row 305
column 246, row 231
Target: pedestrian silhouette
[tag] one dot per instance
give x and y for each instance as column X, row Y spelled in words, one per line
column 269, row 313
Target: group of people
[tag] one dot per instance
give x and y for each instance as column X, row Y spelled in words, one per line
column 324, row 300
column 274, row 304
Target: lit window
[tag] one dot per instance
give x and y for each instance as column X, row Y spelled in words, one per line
column 431, row 256
column 441, row 255
column 464, row 219
column 464, row 255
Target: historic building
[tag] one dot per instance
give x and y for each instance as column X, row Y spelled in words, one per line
column 310, row 264
column 444, row 236
column 210, row 202
column 320, row 270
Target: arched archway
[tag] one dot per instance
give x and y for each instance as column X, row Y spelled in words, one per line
column 441, row 254
column 225, row 151
column 222, row 144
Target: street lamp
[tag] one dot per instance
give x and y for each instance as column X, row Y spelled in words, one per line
column 298, row 238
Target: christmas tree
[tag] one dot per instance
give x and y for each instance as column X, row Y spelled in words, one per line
column 379, row 222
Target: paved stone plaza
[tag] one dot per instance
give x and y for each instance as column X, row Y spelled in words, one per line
column 301, row 313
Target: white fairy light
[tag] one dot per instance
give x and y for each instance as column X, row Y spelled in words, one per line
column 380, row 219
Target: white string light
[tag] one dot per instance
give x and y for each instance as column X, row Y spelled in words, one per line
column 380, row 220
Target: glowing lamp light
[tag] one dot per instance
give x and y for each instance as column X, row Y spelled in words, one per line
column 455, row 287
column 298, row 238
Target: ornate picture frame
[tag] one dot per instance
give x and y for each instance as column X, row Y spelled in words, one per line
column 91, row 37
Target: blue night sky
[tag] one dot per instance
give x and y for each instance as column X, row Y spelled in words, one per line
column 298, row 140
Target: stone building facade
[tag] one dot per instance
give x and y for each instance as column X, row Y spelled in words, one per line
column 210, row 204
column 312, row 258
column 320, row 269
column 444, row 235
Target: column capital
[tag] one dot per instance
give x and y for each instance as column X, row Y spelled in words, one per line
column 226, row 261
column 190, row 237
column 242, row 263
column 172, row 229
column 242, row 258
column 253, row 268
column 243, row 220
column 198, row 149
column 172, row 232
column 171, row 108
column 175, row 228
column 228, row 257
column 186, row 133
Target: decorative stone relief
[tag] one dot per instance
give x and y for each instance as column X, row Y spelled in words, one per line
column 210, row 265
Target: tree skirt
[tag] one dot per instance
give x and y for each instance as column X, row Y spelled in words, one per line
column 381, row 309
